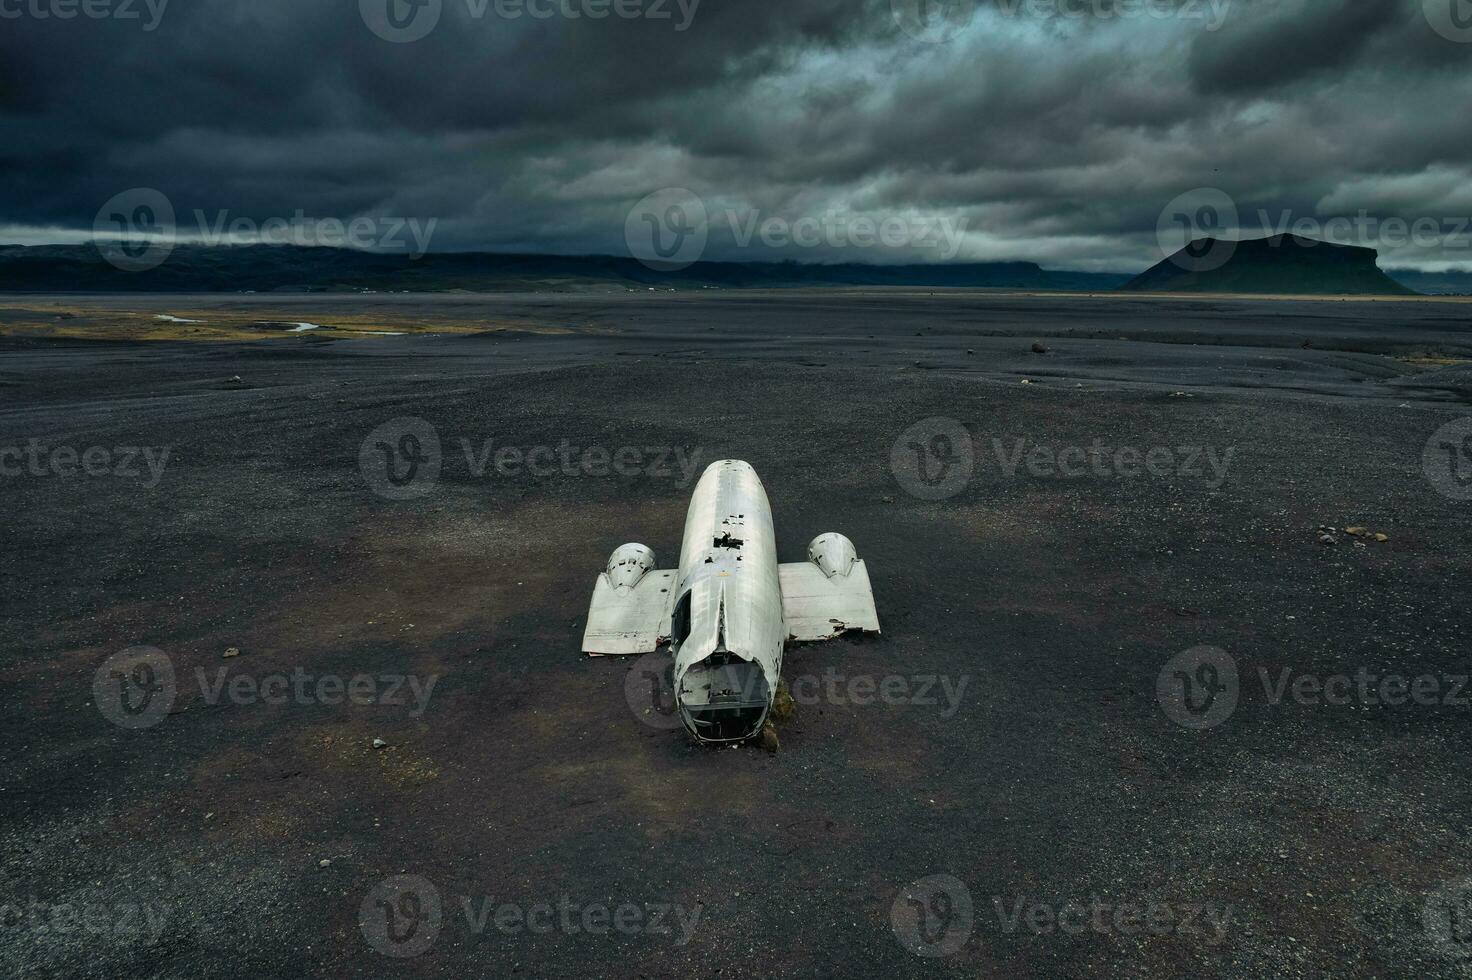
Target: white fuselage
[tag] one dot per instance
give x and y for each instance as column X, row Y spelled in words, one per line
column 727, row 629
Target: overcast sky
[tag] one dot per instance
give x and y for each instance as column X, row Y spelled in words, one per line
column 1005, row 130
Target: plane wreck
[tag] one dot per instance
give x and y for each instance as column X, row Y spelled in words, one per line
column 729, row 609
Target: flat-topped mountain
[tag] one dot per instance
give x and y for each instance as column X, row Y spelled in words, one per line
column 1280, row 265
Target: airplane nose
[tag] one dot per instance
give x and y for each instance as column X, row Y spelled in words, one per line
column 724, row 698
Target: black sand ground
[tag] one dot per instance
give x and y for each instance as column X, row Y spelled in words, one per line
column 1330, row 832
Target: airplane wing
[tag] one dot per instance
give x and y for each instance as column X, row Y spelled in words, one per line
column 818, row 605
column 629, row 619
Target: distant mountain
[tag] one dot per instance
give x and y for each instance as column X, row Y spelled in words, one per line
column 1434, row 283
column 1282, row 264
column 268, row 268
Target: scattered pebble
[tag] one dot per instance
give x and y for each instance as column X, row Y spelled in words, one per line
column 324, row 863
column 379, row 743
column 1039, row 349
column 232, row 651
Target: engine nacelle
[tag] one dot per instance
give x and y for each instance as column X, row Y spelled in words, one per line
column 833, row 553
column 628, row 564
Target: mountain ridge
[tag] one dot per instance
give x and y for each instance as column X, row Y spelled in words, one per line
column 268, row 268
column 1271, row 265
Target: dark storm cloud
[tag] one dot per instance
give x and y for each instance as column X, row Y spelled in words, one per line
column 1284, row 43
column 1055, row 131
